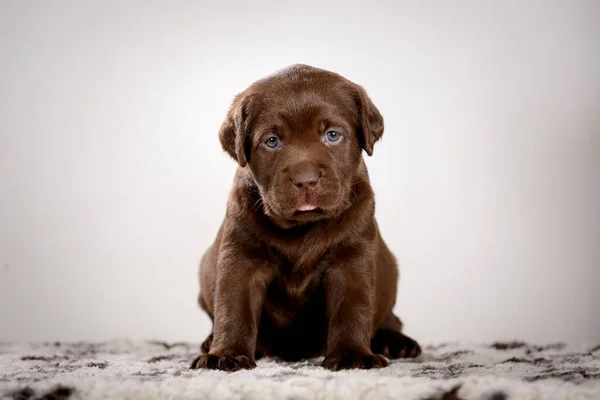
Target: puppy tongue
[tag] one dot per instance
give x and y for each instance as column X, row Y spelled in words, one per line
column 306, row 207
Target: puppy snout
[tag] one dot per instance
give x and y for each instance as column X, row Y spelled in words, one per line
column 306, row 180
column 305, row 176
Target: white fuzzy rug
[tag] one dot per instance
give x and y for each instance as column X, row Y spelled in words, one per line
column 155, row 370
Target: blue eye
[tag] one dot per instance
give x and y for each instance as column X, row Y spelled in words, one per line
column 272, row 142
column 332, row 136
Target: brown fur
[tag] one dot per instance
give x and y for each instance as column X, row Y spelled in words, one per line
column 295, row 284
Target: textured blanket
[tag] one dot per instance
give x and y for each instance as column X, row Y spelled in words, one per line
column 157, row 370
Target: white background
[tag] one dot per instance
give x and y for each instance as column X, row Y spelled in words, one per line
column 113, row 183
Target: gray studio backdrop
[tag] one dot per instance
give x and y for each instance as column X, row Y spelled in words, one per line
column 112, row 180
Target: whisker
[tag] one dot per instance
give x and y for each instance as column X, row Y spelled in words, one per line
column 257, row 204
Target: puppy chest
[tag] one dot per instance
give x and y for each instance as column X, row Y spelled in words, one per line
column 293, row 297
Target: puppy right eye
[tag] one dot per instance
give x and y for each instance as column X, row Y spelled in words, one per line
column 272, row 142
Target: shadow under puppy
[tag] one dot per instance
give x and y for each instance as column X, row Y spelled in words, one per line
column 299, row 268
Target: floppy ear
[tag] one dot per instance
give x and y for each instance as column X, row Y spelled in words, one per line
column 233, row 132
column 370, row 121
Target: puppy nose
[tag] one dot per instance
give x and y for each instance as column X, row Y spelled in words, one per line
column 306, row 180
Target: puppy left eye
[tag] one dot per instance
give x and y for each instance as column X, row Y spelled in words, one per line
column 332, row 136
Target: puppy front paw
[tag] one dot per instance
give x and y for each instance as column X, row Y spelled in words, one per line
column 350, row 359
column 228, row 363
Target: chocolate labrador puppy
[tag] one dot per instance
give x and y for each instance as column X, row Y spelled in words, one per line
column 299, row 268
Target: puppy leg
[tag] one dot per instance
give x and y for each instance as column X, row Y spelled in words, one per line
column 391, row 342
column 205, row 348
column 349, row 309
column 239, row 297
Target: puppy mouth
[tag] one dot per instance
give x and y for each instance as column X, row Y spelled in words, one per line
column 308, row 210
column 307, row 207
column 302, row 207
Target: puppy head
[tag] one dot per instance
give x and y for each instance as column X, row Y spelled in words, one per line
column 300, row 132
